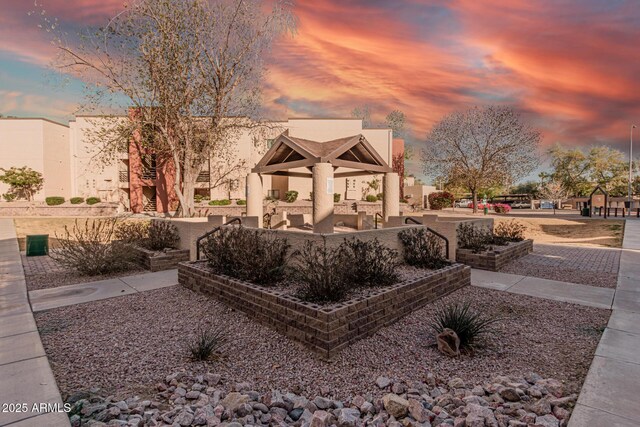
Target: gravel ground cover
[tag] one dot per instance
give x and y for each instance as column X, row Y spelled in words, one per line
column 584, row 265
column 43, row 272
column 126, row 345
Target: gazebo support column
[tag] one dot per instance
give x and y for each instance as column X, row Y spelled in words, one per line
column 323, row 198
column 254, row 197
column 391, row 195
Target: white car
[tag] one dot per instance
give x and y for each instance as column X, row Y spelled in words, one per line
column 463, row 203
column 521, row 205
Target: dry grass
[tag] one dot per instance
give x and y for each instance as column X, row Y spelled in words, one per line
column 588, row 232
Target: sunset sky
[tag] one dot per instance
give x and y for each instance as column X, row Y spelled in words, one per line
column 572, row 67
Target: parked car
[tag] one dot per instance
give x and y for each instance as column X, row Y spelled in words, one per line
column 463, row 203
column 521, row 205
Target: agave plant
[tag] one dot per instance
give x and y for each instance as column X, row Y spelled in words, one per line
column 467, row 323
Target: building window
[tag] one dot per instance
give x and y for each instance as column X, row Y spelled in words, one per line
column 273, row 194
column 234, row 184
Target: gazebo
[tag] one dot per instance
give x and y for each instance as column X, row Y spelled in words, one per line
column 322, row 162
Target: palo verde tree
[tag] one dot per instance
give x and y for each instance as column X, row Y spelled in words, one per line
column 189, row 71
column 480, row 148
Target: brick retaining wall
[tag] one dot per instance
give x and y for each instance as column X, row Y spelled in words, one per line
column 325, row 330
column 496, row 259
column 159, row 260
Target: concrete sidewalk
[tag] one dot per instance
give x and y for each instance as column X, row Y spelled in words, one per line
column 46, row 299
column 25, row 375
column 611, row 391
column 591, row 296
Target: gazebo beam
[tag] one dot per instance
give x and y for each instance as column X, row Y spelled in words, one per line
column 361, row 166
column 284, row 166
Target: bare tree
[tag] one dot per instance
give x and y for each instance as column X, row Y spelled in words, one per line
column 481, row 148
column 396, row 121
column 555, row 191
column 190, row 72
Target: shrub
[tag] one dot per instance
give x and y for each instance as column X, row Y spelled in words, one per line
column 162, row 235
column 208, row 342
column 93, row 200
column 54, row 200
column 199, row 198
column 423, row 249
column 512, row 231
column 9, row 197
column 89, row 248
column 477, row 239
column 320, row 273
column 501, row 208
column 132, row 231
column 440, row 200
column 290, row 196
column 241, row 202
column 370, row 262
column 221, row 202
column 467, row 323
column 379, row 196
column 371, row 198
column 336, row 197
column 247, row 254
column 76, row 200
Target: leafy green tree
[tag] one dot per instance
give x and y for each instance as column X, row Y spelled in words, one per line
column 23, row 182
column 609, row 169
column 571, row 169
column 529, row 187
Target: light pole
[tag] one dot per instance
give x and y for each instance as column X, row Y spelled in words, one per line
column 631, row 164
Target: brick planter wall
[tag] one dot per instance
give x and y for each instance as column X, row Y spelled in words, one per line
column 159, row 260
column 325, row 330
column 496, row 259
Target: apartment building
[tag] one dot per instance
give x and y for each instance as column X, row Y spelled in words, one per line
column 73, row 163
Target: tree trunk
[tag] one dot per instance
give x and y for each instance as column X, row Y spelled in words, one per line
column 474, row 196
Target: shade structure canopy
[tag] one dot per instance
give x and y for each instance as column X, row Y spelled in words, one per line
column 353, row 152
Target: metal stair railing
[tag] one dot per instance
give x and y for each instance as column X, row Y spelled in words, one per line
column 209, row 233
column 431, row 230
column 375, row 218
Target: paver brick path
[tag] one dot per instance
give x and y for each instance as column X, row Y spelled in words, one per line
column 575, row 264
column 34, row 265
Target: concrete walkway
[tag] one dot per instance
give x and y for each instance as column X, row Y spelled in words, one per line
column 591, row 296
column 611, row 392
column 46, row 299
column 25, row 375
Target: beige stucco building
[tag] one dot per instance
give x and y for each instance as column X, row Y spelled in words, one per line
column 42, row 145
column 72, row 166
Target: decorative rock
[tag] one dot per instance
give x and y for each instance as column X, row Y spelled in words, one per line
column 395, row 405
column 192, row 395
column 554, row 387
column 296, row 413
column 547, row 421
column 478, row 391
column 419, row 412
column 398, row 388
column 184, row 418
column 510, row 394
column 348, row 417
column 383, row 382
column 448, row 342
column 456, row 383
column 541, row 407
column 233, row 400
column 322, row 403
column 320, row 419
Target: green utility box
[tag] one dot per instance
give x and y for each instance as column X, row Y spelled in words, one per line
column 37, row 245
column 585, row 211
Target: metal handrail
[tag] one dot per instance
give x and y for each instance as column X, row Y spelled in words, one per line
column 209, row 233
column 375, row 219
column 431, row 230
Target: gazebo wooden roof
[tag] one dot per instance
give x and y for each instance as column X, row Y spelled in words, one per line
column 353, row 152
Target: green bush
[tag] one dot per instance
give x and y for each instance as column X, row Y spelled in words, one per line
column 89, row 248
column 320, row 273
column 241, row 202
column 162, row 235
column 247, row 254
column 54, row 200
column 467, row 323
column 132, row 231
column 290, row 196
column 9, row 197
column 477, row 239
column 440, row 200
column 379, row 196
column 198, row 198
column 372, row 198
column 370, row 262
column 23, row 182
column 423, row 249
column 221, row 202
column 76, row 200
column 93, row 200
column 336, row 197
column 511, row 231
